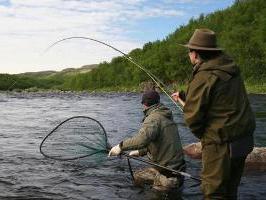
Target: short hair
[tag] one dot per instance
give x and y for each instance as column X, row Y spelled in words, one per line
column 150, row 98
column 206, row 54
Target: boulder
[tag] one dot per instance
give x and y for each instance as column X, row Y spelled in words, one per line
column 256, row 160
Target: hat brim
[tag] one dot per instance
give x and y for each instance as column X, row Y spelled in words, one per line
column 200, row 48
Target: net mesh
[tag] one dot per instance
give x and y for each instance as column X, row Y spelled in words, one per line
column 75, row 138
column 79, row 137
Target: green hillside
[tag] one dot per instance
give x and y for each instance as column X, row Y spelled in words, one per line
column 41, row 80
column 241, row 31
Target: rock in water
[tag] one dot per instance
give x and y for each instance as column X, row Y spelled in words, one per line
column 256, row 160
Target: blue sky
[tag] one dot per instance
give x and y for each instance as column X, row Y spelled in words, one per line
column 28, row 27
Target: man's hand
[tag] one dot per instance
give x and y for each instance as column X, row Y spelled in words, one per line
column 134, row 153
column 115, row 151
column 176, row 97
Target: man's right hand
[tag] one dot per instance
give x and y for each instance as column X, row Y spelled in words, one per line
column 115, row 151
column 175, row 96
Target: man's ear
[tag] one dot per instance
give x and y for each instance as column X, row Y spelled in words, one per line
column 144, row 105
column 197, row 55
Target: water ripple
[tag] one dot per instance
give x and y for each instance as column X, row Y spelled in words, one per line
column 26, row 174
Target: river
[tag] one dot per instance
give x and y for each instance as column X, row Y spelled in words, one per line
column 27, row 118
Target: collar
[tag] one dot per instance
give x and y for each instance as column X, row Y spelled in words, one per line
column 196, row 67
column 150, row 109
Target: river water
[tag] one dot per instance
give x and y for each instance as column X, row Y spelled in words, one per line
column 25, row 174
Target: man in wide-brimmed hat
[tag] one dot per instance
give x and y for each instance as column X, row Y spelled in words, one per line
column 218, row 112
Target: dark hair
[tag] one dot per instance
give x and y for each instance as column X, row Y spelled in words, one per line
column 207, row 55
column 150, row 98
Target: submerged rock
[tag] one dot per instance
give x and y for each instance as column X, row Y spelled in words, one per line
column 256, row 160
column 159, row 182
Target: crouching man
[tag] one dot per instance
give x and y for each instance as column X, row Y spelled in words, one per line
column 158, row 138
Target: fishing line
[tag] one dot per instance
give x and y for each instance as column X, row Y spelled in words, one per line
column 156, row 80
column 84, row 137
column 14, row 82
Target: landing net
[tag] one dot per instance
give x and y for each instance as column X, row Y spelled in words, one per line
column 75, row 138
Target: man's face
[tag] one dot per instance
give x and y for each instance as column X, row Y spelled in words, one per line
column 193, row 57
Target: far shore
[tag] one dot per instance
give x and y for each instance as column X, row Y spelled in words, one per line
column 96, row 92
column 251, row 89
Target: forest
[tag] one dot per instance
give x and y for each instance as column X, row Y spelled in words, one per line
column 240, row 29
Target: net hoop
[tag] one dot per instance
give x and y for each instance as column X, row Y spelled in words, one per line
column 74, row 158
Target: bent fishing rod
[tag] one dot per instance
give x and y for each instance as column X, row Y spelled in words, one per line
column 130, row 59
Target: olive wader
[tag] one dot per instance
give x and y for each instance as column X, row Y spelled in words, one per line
column 218, row 112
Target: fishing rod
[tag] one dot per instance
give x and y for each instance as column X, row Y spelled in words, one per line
column 162, row 167
column 130, row 59
column 157, row 165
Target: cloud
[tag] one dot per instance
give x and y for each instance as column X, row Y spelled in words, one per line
column 187, row 1
column 32, row 15
column 28, row 26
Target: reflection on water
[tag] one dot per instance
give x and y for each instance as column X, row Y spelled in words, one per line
column 26, row 174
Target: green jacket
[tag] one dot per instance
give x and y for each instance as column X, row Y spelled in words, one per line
column 217, row 108
column 158, row 137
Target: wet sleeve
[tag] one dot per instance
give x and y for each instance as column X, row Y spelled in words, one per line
column 197, row 101
column 147, row 133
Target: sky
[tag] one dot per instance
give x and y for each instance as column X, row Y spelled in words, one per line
column 29, row 27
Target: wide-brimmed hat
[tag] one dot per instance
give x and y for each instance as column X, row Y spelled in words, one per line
column 203, row 39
